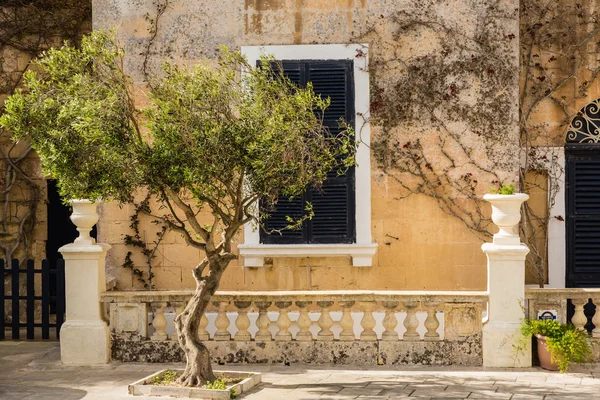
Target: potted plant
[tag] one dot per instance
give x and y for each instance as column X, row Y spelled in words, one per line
column 559, row 344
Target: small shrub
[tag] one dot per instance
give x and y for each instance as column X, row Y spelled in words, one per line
column 167, row 378
column 565, row 342
column 504, row 189
column 217, row 384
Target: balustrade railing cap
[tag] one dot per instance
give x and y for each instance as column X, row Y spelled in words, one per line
column 566, row 293
column 338, row 295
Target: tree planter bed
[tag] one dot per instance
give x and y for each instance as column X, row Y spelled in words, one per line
column 146, row 386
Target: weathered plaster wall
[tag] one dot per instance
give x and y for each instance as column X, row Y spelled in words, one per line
column 465, row 351
column 420, row 246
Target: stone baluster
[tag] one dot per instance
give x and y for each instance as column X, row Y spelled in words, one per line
column 222, row 322
column 432, row 323
column 346, row 322
column 368, row 322
column 304, row 322
column 283, row 321
column 263, row 322
column 579, row 319
column 596, row 318
column 242, row 322
column 389, row 321
column 159, row 322
column 411, row 323
column 325, row 321
column 202, row 332
column 178, row 306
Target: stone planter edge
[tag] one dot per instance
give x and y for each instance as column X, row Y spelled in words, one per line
column 144, row 386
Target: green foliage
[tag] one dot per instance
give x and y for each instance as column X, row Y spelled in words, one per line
column 166, row 378
column 217, row 384
column 209, row 128
column 76, row 111
column 215, row 139
column 221, row 384
column 504, row 189
column 219, row 135
column 566, row 343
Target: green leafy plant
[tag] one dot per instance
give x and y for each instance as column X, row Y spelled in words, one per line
column 504, row 189
column 216, row 138
column 565, row 342
column 166, row 378
column 217, row 384
column 221, row 384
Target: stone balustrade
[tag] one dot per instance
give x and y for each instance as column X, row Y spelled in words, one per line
column 584, row 302
column 336, row 322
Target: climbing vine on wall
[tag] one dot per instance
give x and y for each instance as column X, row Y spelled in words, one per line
column 27, row 28
column 444, row 115
column 138, row 241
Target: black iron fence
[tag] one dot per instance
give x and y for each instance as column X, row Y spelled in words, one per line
column 51, row 300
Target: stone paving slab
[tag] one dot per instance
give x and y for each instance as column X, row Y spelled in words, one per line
column 32, row 371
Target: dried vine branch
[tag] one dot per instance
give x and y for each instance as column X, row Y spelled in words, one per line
column 443, row 114
column 559, row 51
column 439, row 111
column 139, row 241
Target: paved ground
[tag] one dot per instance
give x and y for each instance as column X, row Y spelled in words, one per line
column 32, row 370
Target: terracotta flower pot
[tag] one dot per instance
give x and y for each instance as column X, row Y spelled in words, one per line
column 544, row 354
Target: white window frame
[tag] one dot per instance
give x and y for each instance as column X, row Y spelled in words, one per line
column 363, row 250
column 557, row 236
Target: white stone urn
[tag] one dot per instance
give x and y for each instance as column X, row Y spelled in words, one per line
column 506, row 213
column 84, row 217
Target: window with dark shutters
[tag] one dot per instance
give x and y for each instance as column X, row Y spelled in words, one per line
column 333, row 203
column 583, row 217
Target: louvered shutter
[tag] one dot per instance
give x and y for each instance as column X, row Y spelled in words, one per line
column 583, row 219
column 285, row 206
column 333, row 203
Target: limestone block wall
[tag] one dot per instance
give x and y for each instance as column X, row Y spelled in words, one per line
column 420, row 246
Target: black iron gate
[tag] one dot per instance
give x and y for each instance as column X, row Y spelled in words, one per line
column 45, row 301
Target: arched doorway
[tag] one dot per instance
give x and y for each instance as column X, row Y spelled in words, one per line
column 582, row 156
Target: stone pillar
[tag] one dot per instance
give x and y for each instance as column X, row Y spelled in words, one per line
column 85, row 336
column 506, row 285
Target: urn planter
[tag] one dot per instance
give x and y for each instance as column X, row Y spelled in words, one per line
column 146, row 386
column 506, row 214
column 84, row 217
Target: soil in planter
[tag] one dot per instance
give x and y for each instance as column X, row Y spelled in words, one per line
column 169, row 378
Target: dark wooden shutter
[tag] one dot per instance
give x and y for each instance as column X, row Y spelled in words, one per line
column 583, row 217
column 285, row 206
column 333, row 203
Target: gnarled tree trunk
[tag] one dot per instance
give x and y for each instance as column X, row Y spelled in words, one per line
column 198, row 367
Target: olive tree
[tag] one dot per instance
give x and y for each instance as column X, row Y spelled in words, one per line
column 216, row 139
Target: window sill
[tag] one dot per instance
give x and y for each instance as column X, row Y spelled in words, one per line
column 361, row 254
